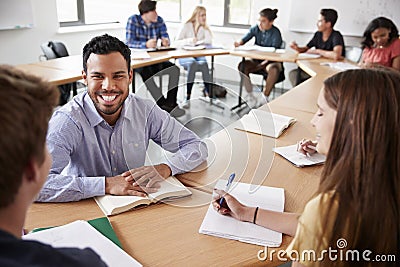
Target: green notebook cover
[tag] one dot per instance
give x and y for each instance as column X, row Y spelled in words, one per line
column 102, row 225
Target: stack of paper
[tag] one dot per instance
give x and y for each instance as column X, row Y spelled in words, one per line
column 264, row 197
column 255, row 48
column 139, row 54
column 342, row 66
column 81, row 234
column 265, row 123
column 298, row 159
column 307, row 55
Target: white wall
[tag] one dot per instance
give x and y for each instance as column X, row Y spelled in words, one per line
column 23, row 45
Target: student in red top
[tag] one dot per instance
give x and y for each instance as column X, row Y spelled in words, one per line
column 381, row 44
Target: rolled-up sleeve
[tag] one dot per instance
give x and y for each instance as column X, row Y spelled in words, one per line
column 189, row 151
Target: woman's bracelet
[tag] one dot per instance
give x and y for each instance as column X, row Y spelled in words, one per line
column 255, row 215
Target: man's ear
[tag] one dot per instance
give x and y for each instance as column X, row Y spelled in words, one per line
column 130, row 75
column 84, row 77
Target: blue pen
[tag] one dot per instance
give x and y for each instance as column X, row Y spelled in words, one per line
column 228, row 185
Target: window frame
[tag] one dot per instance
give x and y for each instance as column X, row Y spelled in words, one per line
column 81, row 17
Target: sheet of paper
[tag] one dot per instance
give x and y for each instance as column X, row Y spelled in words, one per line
column 307, row 55
column 297, row 158
column 342, row 66
column 81, row 234
column 139, row 54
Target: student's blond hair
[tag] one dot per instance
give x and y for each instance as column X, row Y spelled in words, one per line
column 193, row 18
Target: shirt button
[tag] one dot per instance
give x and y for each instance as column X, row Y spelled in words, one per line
column 136, row 145
column 113, row 152
column 115, row 169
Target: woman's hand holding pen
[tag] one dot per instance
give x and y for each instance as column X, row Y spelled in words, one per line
column 232, row 207
column 307, row 147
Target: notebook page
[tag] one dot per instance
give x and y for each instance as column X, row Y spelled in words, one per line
column 299, row 159
column 227, row 227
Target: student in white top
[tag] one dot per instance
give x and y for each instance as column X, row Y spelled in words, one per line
column 195, row 31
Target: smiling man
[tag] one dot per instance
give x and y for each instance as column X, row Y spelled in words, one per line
column 98, row 140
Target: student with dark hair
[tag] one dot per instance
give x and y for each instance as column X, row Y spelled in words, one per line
column 143, row 31
column 381, row 44
column 326, row 42
column 99, row 139
column 358, row 195
column 24, row 165
column 268, row 35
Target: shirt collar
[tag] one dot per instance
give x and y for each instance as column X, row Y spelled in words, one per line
column 95, row 118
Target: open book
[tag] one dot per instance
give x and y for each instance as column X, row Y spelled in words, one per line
column 81, row 234
column 298, row 159
column 265, row 123
column 169, row 189
column 264, row 197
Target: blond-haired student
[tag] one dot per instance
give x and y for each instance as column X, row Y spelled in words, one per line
column 196, row 31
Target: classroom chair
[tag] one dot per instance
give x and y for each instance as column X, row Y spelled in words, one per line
column 281, row 77
column 56, row 49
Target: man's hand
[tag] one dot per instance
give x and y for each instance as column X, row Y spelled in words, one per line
column 118, row 185
column 148, row 176
column 152, row 43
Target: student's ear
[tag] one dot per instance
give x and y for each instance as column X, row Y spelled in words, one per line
column 130, row 75
column 84, row 77
column 31, row 171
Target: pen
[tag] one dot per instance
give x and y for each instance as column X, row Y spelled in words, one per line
column 228, row 185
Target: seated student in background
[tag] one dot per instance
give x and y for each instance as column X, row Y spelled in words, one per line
column 326, row 42
column 358, row 195
column 99, row 139
column 381, row 44
column 268, row 35
column 193, row 31
column 24, row 165
column 143, row 31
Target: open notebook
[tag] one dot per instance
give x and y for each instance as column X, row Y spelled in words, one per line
column 265, row 197
column 298, row 159
column 169, row 188
column 81, row 234
column 264, row 123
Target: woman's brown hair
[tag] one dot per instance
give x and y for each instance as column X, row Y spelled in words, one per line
column 362, row 168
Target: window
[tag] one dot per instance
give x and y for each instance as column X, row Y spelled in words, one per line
column 231, row 13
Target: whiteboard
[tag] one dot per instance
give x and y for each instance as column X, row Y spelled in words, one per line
column 354, row 15
column 15, row 14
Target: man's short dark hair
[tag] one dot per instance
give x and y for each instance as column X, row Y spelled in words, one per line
column 103, row 45
column 146, row 6
column 330, row 15
column 24, row 121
